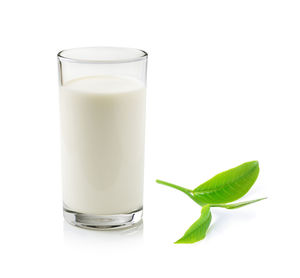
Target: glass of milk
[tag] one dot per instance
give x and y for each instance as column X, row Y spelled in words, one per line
column 102, row 108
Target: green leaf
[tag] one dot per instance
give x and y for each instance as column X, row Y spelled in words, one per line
column 198, row 230
column 237, row 205
column 228, row 186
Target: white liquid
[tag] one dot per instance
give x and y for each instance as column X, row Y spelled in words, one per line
column 103, row 122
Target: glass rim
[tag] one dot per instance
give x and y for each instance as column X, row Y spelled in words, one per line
column 140, row 55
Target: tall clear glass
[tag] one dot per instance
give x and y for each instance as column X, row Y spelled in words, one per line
column 102, row 108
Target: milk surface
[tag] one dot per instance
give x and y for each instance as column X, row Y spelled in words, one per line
column 103, row 123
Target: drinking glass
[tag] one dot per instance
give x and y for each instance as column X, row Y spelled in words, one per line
column 102, row 94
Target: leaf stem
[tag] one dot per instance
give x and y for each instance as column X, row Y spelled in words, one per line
column 180, row 188
column 187, row 191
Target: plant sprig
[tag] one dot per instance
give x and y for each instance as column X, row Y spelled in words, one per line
column 219, row 191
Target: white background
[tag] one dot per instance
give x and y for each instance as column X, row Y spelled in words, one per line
column 223, row 87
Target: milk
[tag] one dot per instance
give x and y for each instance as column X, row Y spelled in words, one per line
column 103, row 123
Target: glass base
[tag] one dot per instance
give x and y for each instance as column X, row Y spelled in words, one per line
column 102, row 222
